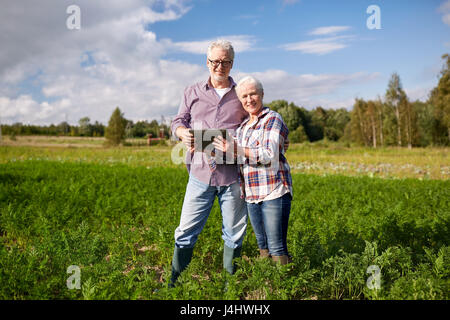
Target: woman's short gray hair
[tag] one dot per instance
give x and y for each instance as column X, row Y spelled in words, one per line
column 251, row 80
column 224, row 45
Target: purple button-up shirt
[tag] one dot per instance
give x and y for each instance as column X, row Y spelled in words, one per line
column 202, row 108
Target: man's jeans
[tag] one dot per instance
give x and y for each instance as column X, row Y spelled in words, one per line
column 198, row 201
column 270, row 223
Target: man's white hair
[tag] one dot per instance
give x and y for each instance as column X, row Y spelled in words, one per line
column 250, row 80
column 224, row 45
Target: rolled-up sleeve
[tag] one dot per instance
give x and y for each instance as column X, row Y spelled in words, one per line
column 183, row 118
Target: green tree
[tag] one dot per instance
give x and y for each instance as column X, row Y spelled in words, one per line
column 298, row 135
column 98, row 129
column 315, row 127
column 115, row 131
column 335, row 123
column 359, row 127
column 367, row 124
column 85, row 127
column 425, row 122
column 277, row 105
column 291, row 116
column 311, row 125
column 63, row 128
column 139, row 129
column 409, row 120
column 395, row 98
column 296, row 118
column 371, row 115
column 440, row 99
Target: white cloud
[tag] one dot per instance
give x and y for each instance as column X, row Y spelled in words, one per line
column 328, row 30
column 290, row 2
column 25, row 109
column 445, row 10
column 319, row 46
column 116, row 60
column 40, row 32
column 446, row 19
column 309, row 90
column 250, row 18
column 445, row 7
column 418, row 93
column 240, row 43
column 113, row 60
column 325, row 45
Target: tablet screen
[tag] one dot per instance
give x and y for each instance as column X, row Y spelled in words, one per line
column 203, row 138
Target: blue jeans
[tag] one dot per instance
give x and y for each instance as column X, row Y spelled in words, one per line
column 270, row 223
column 198, row 201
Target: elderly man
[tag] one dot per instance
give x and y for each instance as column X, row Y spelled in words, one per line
column 210, row 104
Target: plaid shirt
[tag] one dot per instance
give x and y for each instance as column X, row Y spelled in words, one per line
column 266, row 166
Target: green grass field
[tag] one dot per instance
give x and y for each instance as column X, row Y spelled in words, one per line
column 112, row 212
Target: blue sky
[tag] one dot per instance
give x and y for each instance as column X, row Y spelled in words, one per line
column 140, row 54
column 411, row 41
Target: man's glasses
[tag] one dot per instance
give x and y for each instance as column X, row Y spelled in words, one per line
column 224, row 63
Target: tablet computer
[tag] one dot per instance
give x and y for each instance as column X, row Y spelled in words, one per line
column 203, row 138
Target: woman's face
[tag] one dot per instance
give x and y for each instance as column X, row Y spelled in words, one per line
column 250, row 98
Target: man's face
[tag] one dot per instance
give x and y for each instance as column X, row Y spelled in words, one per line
column 219, row 72
column 250, row 98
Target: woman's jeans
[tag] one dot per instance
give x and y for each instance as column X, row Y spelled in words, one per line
column 198, row 201
column 270, row 223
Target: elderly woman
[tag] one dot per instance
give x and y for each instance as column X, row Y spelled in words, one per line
column 267, row 183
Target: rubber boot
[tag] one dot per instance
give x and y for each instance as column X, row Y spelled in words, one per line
column 228, row 256
column 181, row 259
column 281, row 259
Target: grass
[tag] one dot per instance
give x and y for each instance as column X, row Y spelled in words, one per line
column 113, row 211
column 315, row 158
column 386, row 162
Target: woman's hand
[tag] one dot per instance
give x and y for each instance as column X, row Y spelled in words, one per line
column 222, row 144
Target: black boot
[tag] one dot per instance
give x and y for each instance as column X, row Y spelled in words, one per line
column 181, row 259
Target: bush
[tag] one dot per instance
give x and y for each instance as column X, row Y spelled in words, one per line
column 298, row 135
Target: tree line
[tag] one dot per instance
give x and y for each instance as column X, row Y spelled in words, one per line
column 391, row 120
column 85, row 128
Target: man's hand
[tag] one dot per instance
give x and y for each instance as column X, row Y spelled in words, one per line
column 186, row 137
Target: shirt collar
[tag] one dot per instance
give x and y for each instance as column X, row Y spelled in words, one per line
column 207, row 84
column 264, row 111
